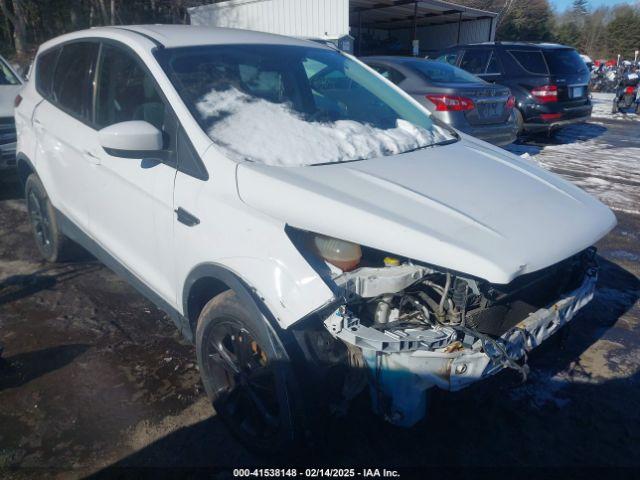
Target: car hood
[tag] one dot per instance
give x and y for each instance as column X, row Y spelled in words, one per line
column 7, row 96
column 466, row 207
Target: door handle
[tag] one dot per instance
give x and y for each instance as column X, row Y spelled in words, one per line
column 186, row 218
column 94, row 159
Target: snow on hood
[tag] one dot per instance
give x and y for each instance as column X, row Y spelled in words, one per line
column 468, row 207
column 274, row 134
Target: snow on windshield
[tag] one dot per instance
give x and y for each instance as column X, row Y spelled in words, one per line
column 274, row 134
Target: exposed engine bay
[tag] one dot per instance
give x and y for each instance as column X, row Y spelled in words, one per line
column 416, row 327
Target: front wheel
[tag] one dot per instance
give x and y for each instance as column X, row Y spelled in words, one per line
column 248, row 376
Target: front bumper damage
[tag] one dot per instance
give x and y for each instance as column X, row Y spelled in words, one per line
column 404, row 364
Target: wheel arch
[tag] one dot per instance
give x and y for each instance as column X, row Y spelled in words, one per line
column 206, row 281
column 25, row 167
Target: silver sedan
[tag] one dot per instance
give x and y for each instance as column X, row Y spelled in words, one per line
column 458, row 98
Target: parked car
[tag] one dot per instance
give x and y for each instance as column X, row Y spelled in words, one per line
column 550, row 82
column 10, row 85
column 455, row 97
column 305, row 222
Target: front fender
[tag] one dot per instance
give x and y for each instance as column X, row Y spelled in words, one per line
column 265, row 283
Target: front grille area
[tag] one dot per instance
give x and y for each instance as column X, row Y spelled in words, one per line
column 7, row 130
column 508, row 304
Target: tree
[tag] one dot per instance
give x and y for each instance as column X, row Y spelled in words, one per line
column 14, row 13
column 526, row 21
column 623, row 31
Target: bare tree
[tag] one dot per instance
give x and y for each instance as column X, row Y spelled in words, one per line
column 16, row 18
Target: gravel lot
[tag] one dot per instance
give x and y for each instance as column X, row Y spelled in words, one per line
column 95, row 377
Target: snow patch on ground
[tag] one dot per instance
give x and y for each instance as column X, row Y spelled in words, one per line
column 585, row 156
column 602, row 104
column 272, row 133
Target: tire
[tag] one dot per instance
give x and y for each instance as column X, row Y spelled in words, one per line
column 519, row 121
column 248, row 376
column 52, row 244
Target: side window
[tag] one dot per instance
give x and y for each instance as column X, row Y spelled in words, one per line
column 530, row 60
column 125, row 91
column 475, row 61
column 494, row 66
column 389, row 73
column 44, row 71
column 73, row 78
column 449, row 57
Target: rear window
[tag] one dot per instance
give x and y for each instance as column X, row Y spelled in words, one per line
column 439, row 72
column 530, row 60
column 389, row 73
column 565, row 61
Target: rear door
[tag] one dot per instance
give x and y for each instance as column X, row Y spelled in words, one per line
column 63, row 125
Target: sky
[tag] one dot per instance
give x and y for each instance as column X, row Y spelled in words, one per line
column 561, row 5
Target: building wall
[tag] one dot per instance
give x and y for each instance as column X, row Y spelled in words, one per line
column 301, row 18
column 442, row 36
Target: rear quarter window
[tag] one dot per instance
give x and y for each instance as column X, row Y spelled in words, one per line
column 565, row 61
column 530, row 60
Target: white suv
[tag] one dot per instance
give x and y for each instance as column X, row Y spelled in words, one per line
column 306, row 223
column 10, row 85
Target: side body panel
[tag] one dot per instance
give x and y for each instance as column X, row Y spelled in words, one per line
column 248, row 243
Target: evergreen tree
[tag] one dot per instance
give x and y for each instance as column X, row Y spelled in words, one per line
column 623, row 32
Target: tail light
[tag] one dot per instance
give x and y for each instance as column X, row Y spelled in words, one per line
column 511, row 102
column 17, row 101
column 546, row 93
column 451, row 103
column 629, row 90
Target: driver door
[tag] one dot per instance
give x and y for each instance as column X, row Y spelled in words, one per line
column 131, row 210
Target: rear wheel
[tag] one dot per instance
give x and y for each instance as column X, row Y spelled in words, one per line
column 519, row 121
column 52, row 245
column 248, row 376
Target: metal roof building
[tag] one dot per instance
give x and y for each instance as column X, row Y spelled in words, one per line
column 377, row 26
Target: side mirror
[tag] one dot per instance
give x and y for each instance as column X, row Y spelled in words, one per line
column 133, row 139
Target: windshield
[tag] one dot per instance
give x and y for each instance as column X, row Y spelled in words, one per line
column 7, row 77
column 564, row 61
column 440, row 72
column 291, row 105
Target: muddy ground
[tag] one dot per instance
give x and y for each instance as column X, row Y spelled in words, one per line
column 95, row 377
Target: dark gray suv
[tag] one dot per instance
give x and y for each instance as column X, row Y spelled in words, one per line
column 456, row 97
column 550, row 81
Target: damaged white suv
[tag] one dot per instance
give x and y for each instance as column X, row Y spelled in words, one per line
column 303, row 220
